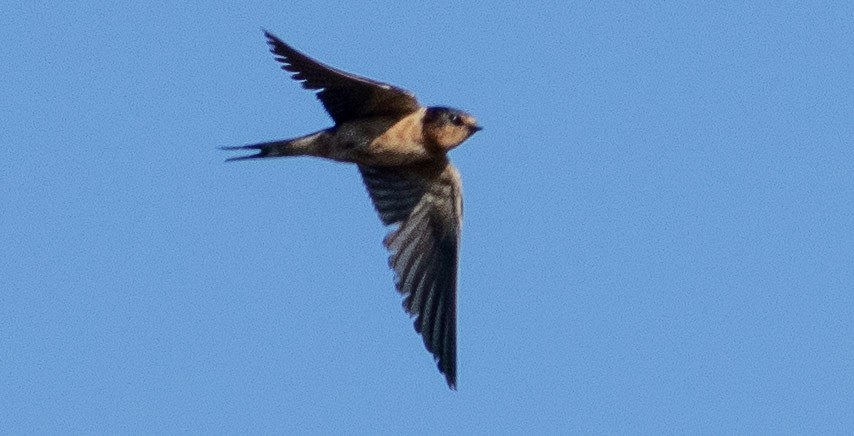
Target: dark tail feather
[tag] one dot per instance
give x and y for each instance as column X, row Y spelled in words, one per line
column 265, row 149
column 261, row 152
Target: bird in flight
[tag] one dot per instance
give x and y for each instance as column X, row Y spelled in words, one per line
column 400, row 148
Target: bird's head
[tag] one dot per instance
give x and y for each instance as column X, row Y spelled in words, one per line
column 446, row 128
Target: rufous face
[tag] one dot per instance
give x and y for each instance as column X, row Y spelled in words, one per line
column 447, row 128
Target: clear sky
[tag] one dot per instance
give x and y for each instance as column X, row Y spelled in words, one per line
column 658, row 236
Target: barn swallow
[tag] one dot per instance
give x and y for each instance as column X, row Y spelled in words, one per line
column 400, row 148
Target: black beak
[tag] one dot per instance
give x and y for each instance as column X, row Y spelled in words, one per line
column 475, row 128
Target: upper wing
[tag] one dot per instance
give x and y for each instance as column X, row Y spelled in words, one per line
column 345, row 96
column 426, row 202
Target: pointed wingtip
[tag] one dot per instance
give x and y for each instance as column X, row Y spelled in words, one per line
column 450, row 377
column 271, row 39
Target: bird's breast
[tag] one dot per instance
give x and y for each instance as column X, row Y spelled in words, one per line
column 390, row 142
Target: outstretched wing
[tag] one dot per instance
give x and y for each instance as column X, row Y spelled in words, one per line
column 425, row 202
column 345, row 96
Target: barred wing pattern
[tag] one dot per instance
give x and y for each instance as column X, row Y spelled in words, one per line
column 425, row 203
column 345, row 96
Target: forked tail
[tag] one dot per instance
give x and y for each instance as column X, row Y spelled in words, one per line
column 306, row 145
column 265, row 149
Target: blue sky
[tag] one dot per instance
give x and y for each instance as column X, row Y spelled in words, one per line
column 657, row 238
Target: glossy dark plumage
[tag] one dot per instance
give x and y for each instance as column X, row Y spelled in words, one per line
column 345, row 96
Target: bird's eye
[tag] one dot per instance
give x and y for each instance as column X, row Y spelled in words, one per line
column 456, row 119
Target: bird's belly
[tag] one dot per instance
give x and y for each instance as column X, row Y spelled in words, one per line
column 393, row 151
